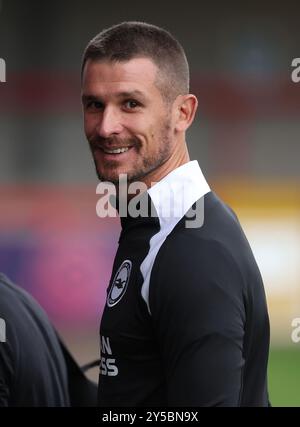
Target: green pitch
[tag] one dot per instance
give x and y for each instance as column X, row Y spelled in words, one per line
column 284, row 376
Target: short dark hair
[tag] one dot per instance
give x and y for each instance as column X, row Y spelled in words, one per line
column 132, row 39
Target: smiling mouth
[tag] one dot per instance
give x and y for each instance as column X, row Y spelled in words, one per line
column 115, row 150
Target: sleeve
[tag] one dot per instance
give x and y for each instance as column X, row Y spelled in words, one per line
column 6, row 372
column 197, row 307
column 4, row 394
column 9, row 349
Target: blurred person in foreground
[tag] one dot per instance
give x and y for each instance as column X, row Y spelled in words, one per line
column 186, row 321
column 33, row 371
column 36, row 368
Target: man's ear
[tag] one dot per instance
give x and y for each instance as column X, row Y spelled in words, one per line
column 186, row 106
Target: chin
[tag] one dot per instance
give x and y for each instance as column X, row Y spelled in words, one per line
column 112, row 176
column 109, row 177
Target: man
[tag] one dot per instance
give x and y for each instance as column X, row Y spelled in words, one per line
column 36, row 369
column 185, row 321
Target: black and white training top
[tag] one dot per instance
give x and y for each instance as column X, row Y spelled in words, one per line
column 185, row 322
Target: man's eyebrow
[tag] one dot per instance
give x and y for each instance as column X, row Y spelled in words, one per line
column 128, row 94
column 87, row 98
column 124, row 94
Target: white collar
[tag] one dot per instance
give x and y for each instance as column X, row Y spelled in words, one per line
column 174, row 195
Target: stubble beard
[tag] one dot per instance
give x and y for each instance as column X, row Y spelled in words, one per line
column 148, row 164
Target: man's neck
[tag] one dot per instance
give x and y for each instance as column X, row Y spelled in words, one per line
column 177, row 159
column 167, row 167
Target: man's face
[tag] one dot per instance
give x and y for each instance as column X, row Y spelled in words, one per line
column 127, row 123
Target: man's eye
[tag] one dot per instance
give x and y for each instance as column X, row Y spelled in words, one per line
column 131, row 104
column 95, row 105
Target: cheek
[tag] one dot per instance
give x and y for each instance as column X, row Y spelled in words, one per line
column 89, row 124
column 152, row 130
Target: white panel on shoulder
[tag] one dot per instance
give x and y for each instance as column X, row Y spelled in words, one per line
column 172, row 197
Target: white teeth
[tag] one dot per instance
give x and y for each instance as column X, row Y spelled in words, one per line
column 116, row 151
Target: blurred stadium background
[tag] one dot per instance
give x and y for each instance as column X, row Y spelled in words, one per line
column 246, row 138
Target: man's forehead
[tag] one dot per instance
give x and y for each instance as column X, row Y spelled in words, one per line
column 136, row 77
column 141, row 70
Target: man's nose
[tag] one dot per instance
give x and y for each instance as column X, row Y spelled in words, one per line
column 109, row 123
